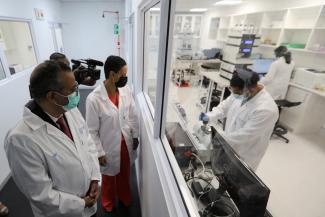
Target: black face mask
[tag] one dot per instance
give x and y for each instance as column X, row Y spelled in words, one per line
column 121, row 82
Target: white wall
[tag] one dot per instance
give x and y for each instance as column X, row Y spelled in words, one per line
column 300, row 58
column 14, row 92
column 86, row 34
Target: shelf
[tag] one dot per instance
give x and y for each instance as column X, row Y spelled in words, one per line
column 270, row 28
column 270, row 36
column 268, row 45
column 302, row 28
column 295, row 36
column 315, row 52
column 274, row 19
column 303, row 17
column 224, row 22
column 321, row 19
column 317, row 39
column 254, row 19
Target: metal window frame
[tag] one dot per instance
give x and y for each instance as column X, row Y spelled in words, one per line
column 35, row 47
column 167, row 12
column 174, row 194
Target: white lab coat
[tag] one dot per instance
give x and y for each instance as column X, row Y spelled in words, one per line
column 248, row 127
column 107, row 123
column 51, row 170
column 277, row 79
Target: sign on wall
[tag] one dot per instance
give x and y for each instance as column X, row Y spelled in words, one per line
column 116, row 29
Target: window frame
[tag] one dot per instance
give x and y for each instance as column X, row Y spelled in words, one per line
column 9, row 76
column 162, row 89
column 146, row 8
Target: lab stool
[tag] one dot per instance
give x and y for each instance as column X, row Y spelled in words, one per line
column 280, row 130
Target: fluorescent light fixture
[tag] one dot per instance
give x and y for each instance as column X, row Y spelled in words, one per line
column 198, row 9
column 154, row 9
column 229, row 2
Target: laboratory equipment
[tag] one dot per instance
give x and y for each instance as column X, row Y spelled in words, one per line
column 248, row 192
column 237, row 53
column 203, row 144
column 179, row 142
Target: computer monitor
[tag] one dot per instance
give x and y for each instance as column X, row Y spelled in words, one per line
column 248, row 192
column 261, row 66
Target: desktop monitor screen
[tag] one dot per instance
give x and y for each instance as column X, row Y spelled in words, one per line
column 261, row 66
column 248, row 192
column 248, row 41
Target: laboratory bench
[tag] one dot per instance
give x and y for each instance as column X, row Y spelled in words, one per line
column 220, row 183
column 308, row 117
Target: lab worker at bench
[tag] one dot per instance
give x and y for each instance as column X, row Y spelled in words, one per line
column 113, row 123
column 276, row 81
column 52, row 157
column 251, row 115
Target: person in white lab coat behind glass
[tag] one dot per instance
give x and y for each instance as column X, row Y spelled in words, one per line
column 113, row 123
column 251, row 115
column 277, row 79
column 52, row 157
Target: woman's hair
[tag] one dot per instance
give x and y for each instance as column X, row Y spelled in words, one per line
column 113, row 63
column 282, row 51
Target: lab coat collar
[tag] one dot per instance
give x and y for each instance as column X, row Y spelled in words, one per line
column 35, row 117
column 258, row 95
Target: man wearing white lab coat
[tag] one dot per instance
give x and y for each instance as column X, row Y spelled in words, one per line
column 251, row 114
column 276, row 81
column 52, row 157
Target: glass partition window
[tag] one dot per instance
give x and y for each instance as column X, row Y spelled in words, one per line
column 151, row 49
column 198, row 85
column 17, row 44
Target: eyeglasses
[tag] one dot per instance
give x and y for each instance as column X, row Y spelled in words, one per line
column 74, row 92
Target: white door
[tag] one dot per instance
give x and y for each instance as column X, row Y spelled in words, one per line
column 56, row 29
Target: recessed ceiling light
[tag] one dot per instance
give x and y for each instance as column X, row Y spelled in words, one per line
column 198, row 9
column 229, row 2
column 154, row 9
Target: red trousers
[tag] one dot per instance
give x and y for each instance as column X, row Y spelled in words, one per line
column 118, row 186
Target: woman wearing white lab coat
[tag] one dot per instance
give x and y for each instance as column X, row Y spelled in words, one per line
column 53, row 171
column 277, row 79
column 113, row 123
column 250, row 121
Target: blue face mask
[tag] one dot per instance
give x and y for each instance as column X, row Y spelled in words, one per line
column 237, row 96
column 73, row 98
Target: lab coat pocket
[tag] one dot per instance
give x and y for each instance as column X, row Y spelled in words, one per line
column 105, row 168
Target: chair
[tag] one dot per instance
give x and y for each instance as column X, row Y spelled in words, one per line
column 280, row 130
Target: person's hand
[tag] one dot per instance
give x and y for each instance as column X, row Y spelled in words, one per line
column 93, row 191
column 102, row 161
column 135, row 143
column 89, row 201
column 203, row 117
